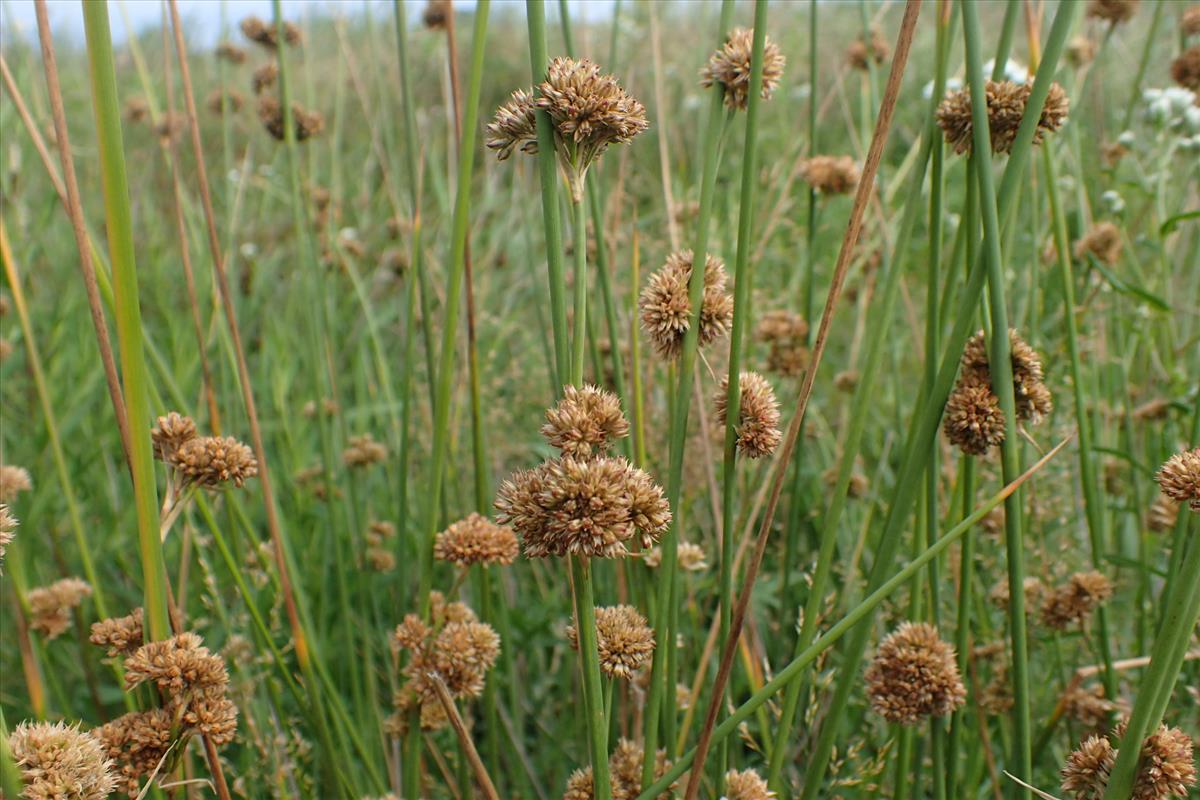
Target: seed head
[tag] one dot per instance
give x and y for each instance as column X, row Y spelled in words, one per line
column 57, row 760
column 1081, row 51
column 758, row 414
column 436, row 13
column 861, row 53
column 227, row 51
column 136, row 742
column 585, row 422
column 690, row 558
column 220, row 100
column 1162, row 514
column 170, row 433
column 307, row 123
column 1189, row 22
column 363, row 451
column 476, row 540
column 177, row 665
column 13, row 481
column 264, row 77
column 746, row 785
column 914, row 676
column 1032, row 398
column 625, row 773
column 514, row 126
column 623, row 638
column 212, row 461
column 1102, row 241
column 8, row 529
column 1112, row 11
column 591, row 508
column 135, row 110
column 1088, row 706
column 1031, row 588
column 1076, row 599
column 973, row 421
column 265, row 34
column 1006, row 103
column 121, row 635
column 1166, row 768
column 831, row 174
column 730, row 67
column 1179, row 478
column 667, row 311
column 1085, row 775
column 50, row 606
column 786, row 334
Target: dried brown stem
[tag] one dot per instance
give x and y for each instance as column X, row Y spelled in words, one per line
column 464, row 738
column 853, row 228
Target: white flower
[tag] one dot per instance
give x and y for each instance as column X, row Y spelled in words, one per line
column 1112, row 202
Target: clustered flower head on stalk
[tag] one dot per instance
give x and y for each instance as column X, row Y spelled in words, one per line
column 265, row 34
column 690, row 558
column 914, row 676
column 589, row 112
column 757, row 425
column 625, row 770
column 436, row 13
column 1088, row 706
column 1112, row 11
column 476, row 540
column 1179, row 478
column 379, row 551
column 228, row 51
column 624, row 640
column 50, row 606
column 666, row 307
column 587, row 504
column 831, row 174
column 1166, row 768
column 13, row 481
column 454, row 648
column 364, row 451
column 57, row 760
column 1006, row 102
column 121, row 635
column 786, row 334
column 1074, row 600
column 8, row 530
column 307, row 123
column 264, row 77
column 1185, row 69
column 861, row 52
column 730, row 67
column 746, row 785
column 1102, row 242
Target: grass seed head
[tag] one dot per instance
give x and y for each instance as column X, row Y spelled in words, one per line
column 914, row 676
column 1074, row 600
column 1179, row 478
column 364, row 451
column 121, row 635
column 746, row 785
column 973, row 421
column 176, row 666
column 264, row 77
column 1189, row 21
column 219, row 100
column 1112, row 11
column 1081, row 51
column 13, row 481
column 476, row 540
column 625, row 773
column 585, row 422
column 861, row 52
column 1102, row 241
column 1166, row 768
column 514, row 126
column 690, row 557
column 170, row 433
column 666, row 309
column 730, row 67
column 1006, row 103
column 270, row 114
column 228, row 51
column 50, row 606
column 758, row 414
column 212, row 462
column 831, row 174
column 624, row 640
column 1162, row 514
column 1088, row 706
column 265, row 34
column 1085, row 775
column 436, row 14
column 1185, row 69
column 57, row 760
column 8, row 530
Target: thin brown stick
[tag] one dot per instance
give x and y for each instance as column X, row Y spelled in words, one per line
column 78, row 226
column 464, row 738
column 862, row 197
column 260, row 453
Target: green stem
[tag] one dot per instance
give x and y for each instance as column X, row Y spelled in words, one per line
column 597, row 727
column 579, row 340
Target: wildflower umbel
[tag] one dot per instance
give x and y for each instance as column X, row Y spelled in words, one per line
column 585, row 422
column 13, row 481
column 266, row 35
column 171, row 432
column 589, row 112
column 914, row 676
column 861, row 52
column 1179, row 478
column 623, row 638
column 746, row 785
column 306, row 123
column 690, row 558
column 8, row 530
column 1076, row 599
column 1085, row 775
column 1006, row 103
column 757, row 425
column 50, row 606
column 121, row 635
column 974, row 422
column 57, row 760
column 1166, row 768
column 625, row 773
column 831, row 174
column 476, row 540
column 730, row 67
column 666, row 307
column 211, row 462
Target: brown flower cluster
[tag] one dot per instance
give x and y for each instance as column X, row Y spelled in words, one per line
column 1088, row 706
column 1162, row 514
column 624, row 640
column 757, row 425
column 589, row 111
column 1189, row 22
column 13, row 481
column 206, row 461
column 831, row 174
column 57, row 760
column 170, row 433
column 973, row 421
column 625, row 774
column 228, row 51
column 436, row 13
column 914, row 676
column 264, row 77
column 50, row 606
column 1166, row 768
column 861, row 53
column 121, row 635
column 264, row 33
column 8, row 530
column 1032, row 590
column 746, row 785
column 666, row 308
column 1179, row 478
column 307, row 123
column 1074, row 600
column 1112, row 11
column 379, row 552
column 456, row 649
column 476, row 540
column 221, row 100
column 730, row 67
column 689, row 557
column 192, row 682
column 1081, row 51
column 1006, row 103
column 585, row 421
column 1102, row 242
column 786, row 334
column 363, row 451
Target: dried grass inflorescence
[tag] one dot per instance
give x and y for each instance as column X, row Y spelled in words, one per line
column 585, row 422
column 221, row 100
column 974, row 422
column 1031, row 588
column 1162, row 514
column 690, row 558
column 730, row 67
column 1179, row 478
column 476, row 540
column 861, row 53
column 8, row 530
column 1074, row 600
column 436, row 14
column 60, row 762
column 757, row 425
column 914, row 676
column 589, row 112
column 1088, row 706
column 786, row 334
column 1102, row 241
column 455, row 648
column 265, row 34
column 50, row 606
column 121, row 635
column 307, row 123
column 169, row 433
column 1081, row 51
column 228, row 51
column 625, row 773
column 1189, row 21
column 746, row 785
column 364, row 451
column 666, row 308
column 1006, row 103
column 137, row 743
column 264, row 77
column 379, row 554
column 212, row 462
column 624, row 640
column 1166, row 767
column 831, row 174
column 1112, row 11
column 13, row 481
